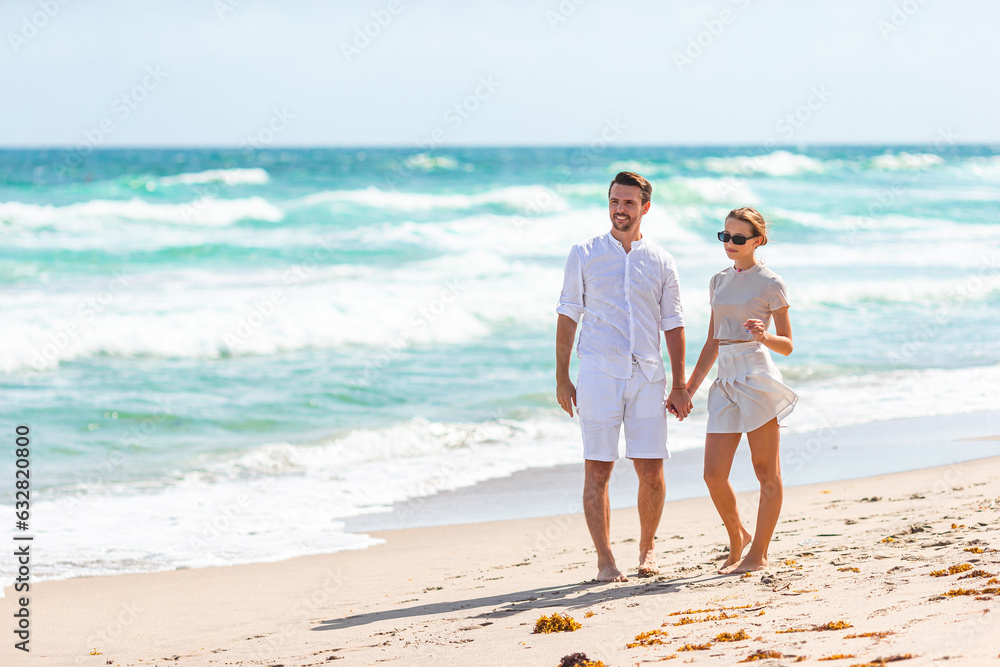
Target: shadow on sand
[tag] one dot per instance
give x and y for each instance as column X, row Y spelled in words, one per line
column 593, row 593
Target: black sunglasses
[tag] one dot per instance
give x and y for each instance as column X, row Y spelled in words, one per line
column 726, row 237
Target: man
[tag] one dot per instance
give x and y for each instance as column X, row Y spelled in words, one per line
column 627, row 288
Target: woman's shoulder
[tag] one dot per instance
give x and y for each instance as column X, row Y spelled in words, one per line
column 770, row 275
column 720, row 275
column 771, row 283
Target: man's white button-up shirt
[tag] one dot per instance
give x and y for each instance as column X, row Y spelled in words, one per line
column 627, row 297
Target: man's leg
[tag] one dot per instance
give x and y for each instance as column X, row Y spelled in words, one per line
column 599, row 400
column 597, row 508
column 646, row 444
column 652, row 490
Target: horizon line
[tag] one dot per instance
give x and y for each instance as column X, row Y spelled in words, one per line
column 70, row 147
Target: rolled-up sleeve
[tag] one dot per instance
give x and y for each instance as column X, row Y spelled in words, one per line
column 671, row 312
column 571, row 299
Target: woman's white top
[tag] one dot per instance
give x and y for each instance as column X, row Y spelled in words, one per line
column 738, row 296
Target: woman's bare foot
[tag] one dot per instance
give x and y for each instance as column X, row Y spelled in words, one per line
column 647, row 564
column 749, row 564
column 611, row 573
column 735, row 555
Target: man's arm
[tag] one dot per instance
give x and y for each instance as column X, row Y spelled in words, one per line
column 676, row 350
column 678, row 400
column 672, row 324
column 570, row 310
column 565, row 335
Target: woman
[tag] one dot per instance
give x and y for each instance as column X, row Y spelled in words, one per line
column 748, row 396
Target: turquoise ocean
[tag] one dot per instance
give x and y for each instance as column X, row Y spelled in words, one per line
column 222, row 354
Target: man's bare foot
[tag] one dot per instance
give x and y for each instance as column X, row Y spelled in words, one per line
column 611, row 573
column 749, row 565
column 736, row 555
column 647, row 564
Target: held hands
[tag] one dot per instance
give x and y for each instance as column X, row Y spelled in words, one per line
column 679, row 403
column 756, row 330
column 566, row 395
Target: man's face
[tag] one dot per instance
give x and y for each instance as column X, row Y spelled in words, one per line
column 625, row 206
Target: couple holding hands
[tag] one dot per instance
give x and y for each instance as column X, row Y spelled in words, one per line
column 628, row 289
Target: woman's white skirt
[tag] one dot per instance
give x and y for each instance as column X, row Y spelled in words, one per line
column 748, row 392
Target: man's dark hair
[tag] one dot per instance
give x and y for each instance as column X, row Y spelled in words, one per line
column 632, row 178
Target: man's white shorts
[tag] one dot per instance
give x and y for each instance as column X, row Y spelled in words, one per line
column 604, row 402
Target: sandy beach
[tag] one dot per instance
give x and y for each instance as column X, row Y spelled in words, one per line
column 858, row 555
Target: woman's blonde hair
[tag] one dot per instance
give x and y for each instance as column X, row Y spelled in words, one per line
column 753, row 216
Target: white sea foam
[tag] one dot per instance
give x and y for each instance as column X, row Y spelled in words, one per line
column 905, row 161
column 207, row 211
column 236, row 509
column 518, row 198
column 484, row 259
column 425, row 162
column 862, row 398
column 945, row 295
column 484, row 281
column 186, row 525
column 550, row 235
column 777, row 163
column 726, row 190
column 983, row 167
column 891, row 222
column 880, row 241
column 453, row 299
column 642, row 167
column 254, row 176
column 598, row 192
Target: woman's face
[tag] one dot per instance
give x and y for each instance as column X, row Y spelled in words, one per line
column 740, row 228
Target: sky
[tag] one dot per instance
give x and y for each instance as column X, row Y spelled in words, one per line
column 552, row 72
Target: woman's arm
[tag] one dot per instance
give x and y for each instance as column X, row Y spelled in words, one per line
column 709, row 353
column 781, row 340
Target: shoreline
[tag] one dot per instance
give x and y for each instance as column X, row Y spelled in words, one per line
column 471, row 592
column 814, row 456
column 807, row 457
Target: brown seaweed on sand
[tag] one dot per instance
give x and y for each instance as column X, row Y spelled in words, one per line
column 976, row 574
column 762, row 654
column 878, row 662
column 688, row 612
column 956, row 592
column 579, row 660
column 648, row 638
column 875, row 635
column 954, row 569
column 832, row 625
column 687, row 620
column 695, row 647
column 556, row 623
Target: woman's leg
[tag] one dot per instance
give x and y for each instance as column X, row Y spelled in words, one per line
column 764, row 452
column 720, row 448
